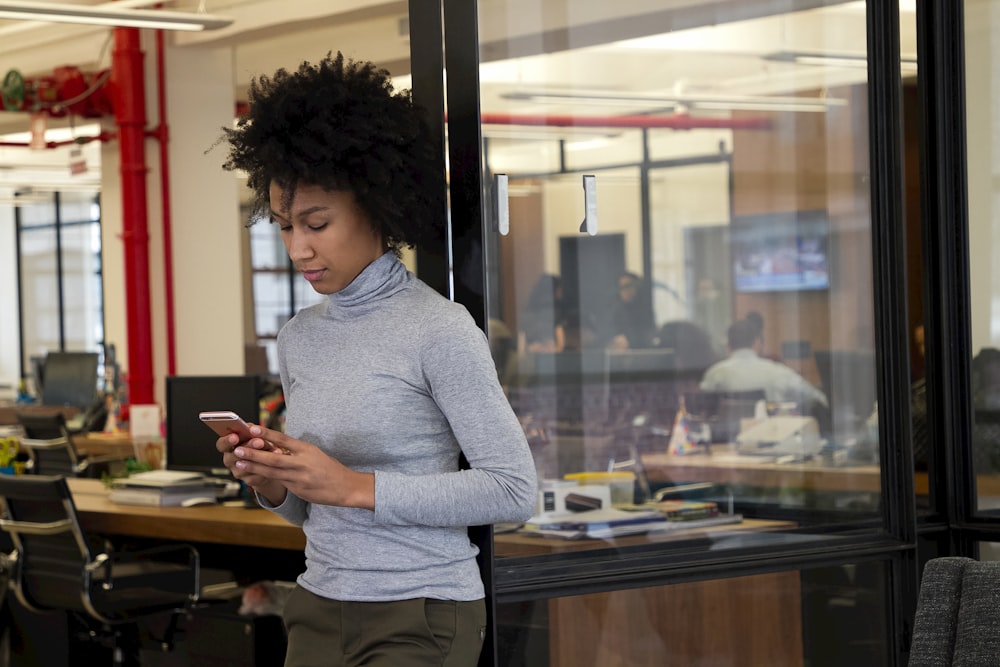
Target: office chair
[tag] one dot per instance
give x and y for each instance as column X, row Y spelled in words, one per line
column 49, row 445
column 957, row 620
column 55, row 566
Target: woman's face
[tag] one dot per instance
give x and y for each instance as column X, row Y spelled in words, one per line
column 329, row 239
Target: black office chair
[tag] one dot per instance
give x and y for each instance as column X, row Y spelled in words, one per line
column 49, row 445
column 55, row 566
column 721, row 411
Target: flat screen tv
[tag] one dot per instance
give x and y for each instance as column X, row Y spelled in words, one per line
column 781, row 252
column 191, row 444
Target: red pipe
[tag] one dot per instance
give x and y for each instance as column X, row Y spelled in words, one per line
column 162, row 134
column 130, row 116
column 677, row 121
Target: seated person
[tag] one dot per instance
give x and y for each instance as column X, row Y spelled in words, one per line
column 744, row 370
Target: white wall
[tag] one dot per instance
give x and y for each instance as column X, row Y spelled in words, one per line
column 204, row 221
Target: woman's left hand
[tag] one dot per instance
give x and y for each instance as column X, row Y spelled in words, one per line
column 305, row 470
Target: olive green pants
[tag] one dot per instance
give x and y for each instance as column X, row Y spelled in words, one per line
column 330, row 633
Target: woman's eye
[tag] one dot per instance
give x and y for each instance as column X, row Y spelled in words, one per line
column 285, row 228
column 318, row 228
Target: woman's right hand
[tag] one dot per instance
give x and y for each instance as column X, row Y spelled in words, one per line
column 271, row 489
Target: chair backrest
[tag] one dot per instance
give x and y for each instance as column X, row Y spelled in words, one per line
column 958, row 614
column 722, row 410
column 51, row 550
column 49, row 444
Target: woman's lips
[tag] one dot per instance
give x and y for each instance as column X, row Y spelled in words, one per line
column 312, row 275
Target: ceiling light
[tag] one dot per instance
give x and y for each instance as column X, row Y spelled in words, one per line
column 111, row 16
column 688, row 101
column 831, row 59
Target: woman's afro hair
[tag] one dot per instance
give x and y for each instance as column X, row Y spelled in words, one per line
column 339, row 125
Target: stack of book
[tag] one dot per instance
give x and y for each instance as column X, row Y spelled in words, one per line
column 598, row 523
column 162, row 488
column 629, row 520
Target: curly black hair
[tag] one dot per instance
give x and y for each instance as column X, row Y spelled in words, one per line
column 339, row 124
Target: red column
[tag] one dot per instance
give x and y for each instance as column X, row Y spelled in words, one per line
column 127, row 81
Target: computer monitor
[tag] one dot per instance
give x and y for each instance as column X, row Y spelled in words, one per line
column 70, row 379
column 190, row 444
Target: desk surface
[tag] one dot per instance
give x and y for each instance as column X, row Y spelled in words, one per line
column 526, row 544
column 723, row 466
column 217, row 524
column 260, row 528
column 8, row 412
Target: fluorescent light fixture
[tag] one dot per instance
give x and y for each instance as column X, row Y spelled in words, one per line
column 907, row 64
column 111, row 16
column 688, row 101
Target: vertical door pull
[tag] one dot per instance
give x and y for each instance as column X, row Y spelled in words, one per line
column 501, row 203
column 589, row 223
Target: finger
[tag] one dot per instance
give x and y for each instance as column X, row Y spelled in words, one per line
column 227, row 442
column 275, row 440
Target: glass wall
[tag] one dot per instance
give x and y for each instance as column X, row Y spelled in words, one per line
column 982, row 23
column 682, row 266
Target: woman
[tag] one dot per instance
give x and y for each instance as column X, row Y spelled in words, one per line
column 387, row 383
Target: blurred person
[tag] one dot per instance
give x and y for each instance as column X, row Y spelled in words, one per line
column 691, row 344
column 745, row 370
column 632, row 316
column 541, row 323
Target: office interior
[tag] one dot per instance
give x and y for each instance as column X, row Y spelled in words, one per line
column 827, row 165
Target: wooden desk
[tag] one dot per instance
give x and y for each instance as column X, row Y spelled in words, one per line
column 723, row 466
column 213, row 524
column 508, row 545
column 99, row 444
column 8, row 413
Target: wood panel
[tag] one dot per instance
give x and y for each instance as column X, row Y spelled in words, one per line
column 741, row 621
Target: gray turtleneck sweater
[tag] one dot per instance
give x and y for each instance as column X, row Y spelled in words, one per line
column 390, row 377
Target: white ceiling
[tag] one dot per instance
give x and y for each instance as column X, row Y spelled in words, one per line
column 657, row 47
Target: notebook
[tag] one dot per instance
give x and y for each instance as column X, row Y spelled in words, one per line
column 162, row 478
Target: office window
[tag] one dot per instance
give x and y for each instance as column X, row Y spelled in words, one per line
column 61, row 298
column 278, row 290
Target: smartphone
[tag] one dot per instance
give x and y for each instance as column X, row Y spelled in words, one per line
column 225, row 422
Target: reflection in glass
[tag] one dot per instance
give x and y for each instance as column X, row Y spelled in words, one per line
column 730, row 159
column 825, row 616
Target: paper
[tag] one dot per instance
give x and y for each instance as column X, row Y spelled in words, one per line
column 144, row 421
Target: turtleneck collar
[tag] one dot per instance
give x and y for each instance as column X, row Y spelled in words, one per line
column 379, row 280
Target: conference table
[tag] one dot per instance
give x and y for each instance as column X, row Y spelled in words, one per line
column 723, row 465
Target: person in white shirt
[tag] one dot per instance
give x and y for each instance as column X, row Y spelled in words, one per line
column 745, row 370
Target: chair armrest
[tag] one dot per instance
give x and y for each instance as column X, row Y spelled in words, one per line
column 174, row 567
